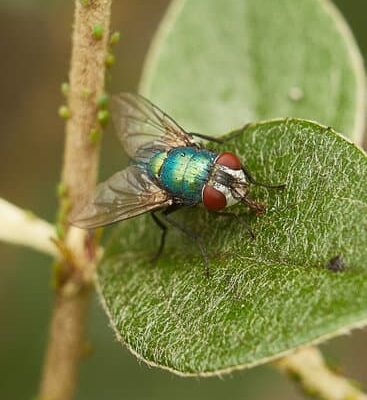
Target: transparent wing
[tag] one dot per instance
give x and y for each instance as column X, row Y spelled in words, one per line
column 142, row 126
column 126, row 194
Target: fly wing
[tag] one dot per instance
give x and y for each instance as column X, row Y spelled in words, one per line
column 126, row 194
column 141, row 126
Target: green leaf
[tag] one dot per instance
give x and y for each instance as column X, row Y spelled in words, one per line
column 216, row 65
column 264, row 297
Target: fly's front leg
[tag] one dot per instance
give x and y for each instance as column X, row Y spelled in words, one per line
column 238, row 218
column 228, row 138
column 252, row 180
column 207, row 137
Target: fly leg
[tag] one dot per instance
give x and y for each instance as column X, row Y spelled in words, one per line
column 190, row 234
column 252, row 180
column 207, row 137
column 228, row 138
column 163, row 229
column 258, row 208
column 238, row 217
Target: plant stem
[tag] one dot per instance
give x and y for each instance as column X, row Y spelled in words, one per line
column 24, row 228
column 86, row 79
column 308, row 368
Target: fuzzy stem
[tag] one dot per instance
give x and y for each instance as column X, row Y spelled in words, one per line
column 86, row 79
column 24, row 228
column 309, row 369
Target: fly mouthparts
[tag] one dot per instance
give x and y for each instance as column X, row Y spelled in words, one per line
column 258, row 208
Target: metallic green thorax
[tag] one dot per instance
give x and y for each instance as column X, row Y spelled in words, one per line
column 183, row 171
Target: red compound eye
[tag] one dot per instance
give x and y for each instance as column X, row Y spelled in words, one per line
column 229, row 160
column 213, row 199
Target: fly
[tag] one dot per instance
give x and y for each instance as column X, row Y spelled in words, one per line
column 169, row 170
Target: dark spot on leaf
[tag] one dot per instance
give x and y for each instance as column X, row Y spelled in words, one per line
column 336, row 264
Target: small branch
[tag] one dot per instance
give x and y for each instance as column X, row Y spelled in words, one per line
column 308, row 368
column 86, row 82
column 24, row 228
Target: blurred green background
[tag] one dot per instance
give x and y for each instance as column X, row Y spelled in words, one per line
column 35, row 47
